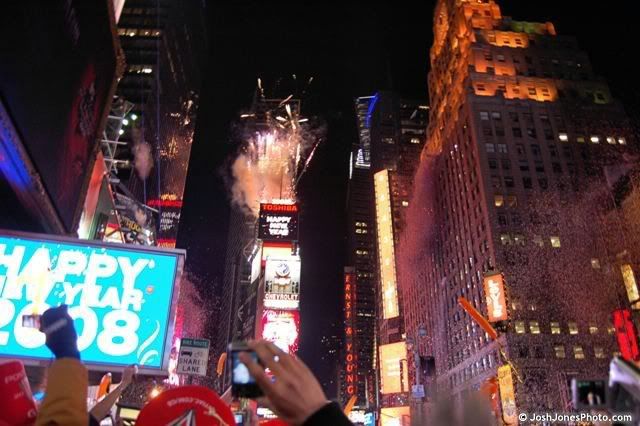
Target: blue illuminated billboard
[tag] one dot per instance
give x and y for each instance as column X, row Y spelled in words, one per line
column 122, row 299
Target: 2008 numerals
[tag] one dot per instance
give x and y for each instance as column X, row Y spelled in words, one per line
column 117, row 338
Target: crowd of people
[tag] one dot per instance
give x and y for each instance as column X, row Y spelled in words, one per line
column 291, row 391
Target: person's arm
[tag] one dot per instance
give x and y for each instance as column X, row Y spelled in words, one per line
column 294, row 394
column 103, row 407
column 65, row 403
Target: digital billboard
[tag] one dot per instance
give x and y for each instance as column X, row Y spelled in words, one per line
column 169, row 219
column 393, row 368
column 282, row 283
column 386, row 249
column 121, row 298
column 278, row 222
column 282, row 328
column 496, row 300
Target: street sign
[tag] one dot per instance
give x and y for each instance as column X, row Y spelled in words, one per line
column 417, row 391
column 194, row 357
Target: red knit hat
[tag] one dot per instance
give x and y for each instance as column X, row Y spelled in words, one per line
column 186, row 406
column 17, row 406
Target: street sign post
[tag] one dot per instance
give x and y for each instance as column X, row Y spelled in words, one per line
column 194, row 357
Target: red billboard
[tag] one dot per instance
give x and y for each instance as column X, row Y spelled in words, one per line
column 626, row 334
column 281, row 328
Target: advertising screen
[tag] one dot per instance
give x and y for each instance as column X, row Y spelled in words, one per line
column 121, row 298
column 631, row 285
column 278, row 222
column 494, row 294
column 282, row 283
column 282, row 328
column 386, row 249
column 393, row 368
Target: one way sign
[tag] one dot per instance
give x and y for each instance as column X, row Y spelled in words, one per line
column 194, row 357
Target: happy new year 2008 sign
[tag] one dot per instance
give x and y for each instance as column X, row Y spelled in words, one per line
column 121, row 298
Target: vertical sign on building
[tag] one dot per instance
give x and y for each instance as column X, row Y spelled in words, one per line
column 631, row 285
column 349, row 323
column 626, row 334
column 496, row 300
column 386, row 249
column 507, row 395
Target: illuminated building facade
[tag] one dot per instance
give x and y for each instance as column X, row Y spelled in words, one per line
column 261, row 286
column 517, row 120
column 391, row 134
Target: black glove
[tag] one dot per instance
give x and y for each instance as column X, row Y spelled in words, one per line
column 58, row 326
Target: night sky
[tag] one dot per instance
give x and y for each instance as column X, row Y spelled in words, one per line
column 351, row 50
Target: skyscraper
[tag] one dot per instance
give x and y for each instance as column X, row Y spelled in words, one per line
column 164, row 44
column 391, row 133
column 519, row 131
column 261, row 285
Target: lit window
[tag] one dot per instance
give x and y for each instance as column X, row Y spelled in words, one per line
column 537, row 239
column 593, row 329
column 498, row 200
column 505, row 239
column 405, row 203
column 573, row 328
column 611, row 329
column 595, row 263
column 484, row 115
column 599, row 352
column 555, row 328
column 555, row 242
column 491, row 148
column 595, row 139
column 611, row 140
column 147, row 70
column 502, row 148
column 560, row 352
column 580, row 139
column 520, row 327
column 563, row 137
column 578, row 352
column 622, row 141
column 415, row 140
column 534, row 327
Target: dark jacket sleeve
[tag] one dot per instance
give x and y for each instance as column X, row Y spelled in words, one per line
column 329, row 415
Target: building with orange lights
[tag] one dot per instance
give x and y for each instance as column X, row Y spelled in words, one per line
column 519, row 131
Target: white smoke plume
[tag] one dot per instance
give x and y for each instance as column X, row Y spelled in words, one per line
column 143, row 159
column 271, row 162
